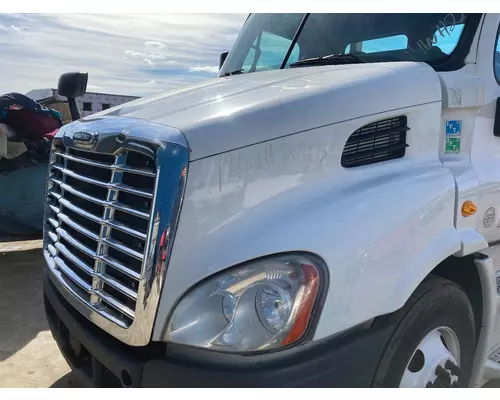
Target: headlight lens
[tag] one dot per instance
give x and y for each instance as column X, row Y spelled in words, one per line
column 262, row 305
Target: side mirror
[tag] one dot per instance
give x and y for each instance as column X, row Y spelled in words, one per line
column 73, row 85
column 222, row 58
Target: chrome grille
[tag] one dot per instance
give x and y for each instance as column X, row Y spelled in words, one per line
column 97, row 220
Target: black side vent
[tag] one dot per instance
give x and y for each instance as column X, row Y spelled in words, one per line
column 380, row 141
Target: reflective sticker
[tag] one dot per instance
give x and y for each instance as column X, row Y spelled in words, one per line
column 452, row 145
column 453, row 137
column 453, row 128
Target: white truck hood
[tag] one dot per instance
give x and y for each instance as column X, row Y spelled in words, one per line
column 224, row 114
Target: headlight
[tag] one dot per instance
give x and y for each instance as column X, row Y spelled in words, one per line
column 262, row 305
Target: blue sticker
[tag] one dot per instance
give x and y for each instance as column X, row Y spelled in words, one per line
column 453, row 128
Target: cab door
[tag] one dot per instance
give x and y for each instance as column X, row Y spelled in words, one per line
column 485, row 154
column 485, row 149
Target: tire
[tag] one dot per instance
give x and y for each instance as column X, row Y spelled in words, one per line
column 437, row 302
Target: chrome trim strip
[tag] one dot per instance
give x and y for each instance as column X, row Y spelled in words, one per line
column 169, row 148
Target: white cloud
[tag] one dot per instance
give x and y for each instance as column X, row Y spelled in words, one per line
column 156, row 56
column 178, row 49
column 147, row 58
column 151, row 83
column 135, row 54
column 155, row 45
column 206, row 68
column 10, row 28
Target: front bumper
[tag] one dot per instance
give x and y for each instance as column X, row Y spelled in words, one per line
column 103, row 361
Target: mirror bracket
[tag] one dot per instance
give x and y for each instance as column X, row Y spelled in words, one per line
column 72, row 85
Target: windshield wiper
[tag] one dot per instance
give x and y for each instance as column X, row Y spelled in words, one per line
column 237, row 72
column 332, row 59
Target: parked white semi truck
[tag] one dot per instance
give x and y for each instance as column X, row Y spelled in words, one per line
column 323, row 213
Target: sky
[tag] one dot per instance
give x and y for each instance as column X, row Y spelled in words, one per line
column 130, row 54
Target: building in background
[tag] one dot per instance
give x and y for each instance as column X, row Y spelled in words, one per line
column 89, row 103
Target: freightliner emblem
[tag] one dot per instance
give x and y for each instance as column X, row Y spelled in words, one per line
column 84, row 139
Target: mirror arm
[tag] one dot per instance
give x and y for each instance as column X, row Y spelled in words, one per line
column 75, row 114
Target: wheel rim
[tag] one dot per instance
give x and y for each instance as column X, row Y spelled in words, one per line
column 435, row 362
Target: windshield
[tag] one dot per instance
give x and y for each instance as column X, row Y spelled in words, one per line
column 273, row 41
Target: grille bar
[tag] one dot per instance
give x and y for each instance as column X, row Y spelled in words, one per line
column 116, row 304
column 99, row 220
column 124, row 228
column 117, row 205
column 72, row 275
column 90, row 271
column 53, row 222
column 124, row 249
column 120, row 168
column 119, row 186
column 70, row 288
column 98, row 216
column 88, row 289
column 84, row 196
column 115, row 284
column 106, row 259
column 68, row 221
column 54, row 208
column 70, row 206
column 52, row 236
column 120, row 267
column 52, row 250
column 75, row 243
column 75, row 260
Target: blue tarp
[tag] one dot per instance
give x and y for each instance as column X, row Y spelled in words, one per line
column 23, row 200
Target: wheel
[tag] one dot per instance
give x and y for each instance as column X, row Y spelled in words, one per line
column 433, row 343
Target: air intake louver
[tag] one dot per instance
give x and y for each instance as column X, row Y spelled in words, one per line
column 380, row 141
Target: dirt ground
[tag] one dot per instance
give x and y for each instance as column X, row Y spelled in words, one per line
column 29, row 357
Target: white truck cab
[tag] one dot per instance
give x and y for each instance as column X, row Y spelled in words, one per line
column 323, row 213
